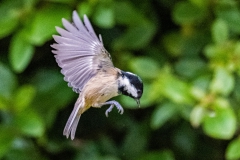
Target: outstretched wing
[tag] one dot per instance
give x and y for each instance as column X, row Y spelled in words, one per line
column 79, row 52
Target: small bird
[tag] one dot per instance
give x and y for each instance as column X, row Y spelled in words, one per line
column 87, row 67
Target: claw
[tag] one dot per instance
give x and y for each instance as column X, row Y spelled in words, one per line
column 120, row 109
column 109, row 110
column 113, row 103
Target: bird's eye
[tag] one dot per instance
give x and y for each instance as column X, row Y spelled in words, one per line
column 139, row 92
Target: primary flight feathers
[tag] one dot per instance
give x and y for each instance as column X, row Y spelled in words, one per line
column 78, row 51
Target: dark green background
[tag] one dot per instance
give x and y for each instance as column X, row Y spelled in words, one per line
column 187, row 53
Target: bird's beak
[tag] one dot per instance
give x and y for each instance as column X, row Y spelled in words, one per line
column 138, row 102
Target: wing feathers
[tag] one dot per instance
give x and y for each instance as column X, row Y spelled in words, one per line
column 89, row 27
column 63, row 40
column 68, row 34
column 70, row 27
column 65, row 33
column 77, row 21
column 78, row 51
column 70, row 47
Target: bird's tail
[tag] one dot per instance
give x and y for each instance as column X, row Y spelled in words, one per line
column 73, row 119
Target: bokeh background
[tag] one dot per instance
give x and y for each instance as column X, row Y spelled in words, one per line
column 186, row 51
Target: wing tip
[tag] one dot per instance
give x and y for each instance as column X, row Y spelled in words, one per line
column 85, row 19
column 57, row 28
column 75, row 13
column 55, row 37
column 64, row 20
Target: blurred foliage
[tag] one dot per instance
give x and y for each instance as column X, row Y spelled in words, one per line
column 186, row 51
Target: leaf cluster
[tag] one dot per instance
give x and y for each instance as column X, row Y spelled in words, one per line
column 186, row 51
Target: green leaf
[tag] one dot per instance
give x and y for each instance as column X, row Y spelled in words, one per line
column 10, row 20
column 162, row 114
column 197, row 115
column 21, row 52
column 200, row 86
column 139, row 33
column 85, row 8
column 216, row 52
column 6, row 139
column 190, row 67
column 221, row 124
column 173, row 88
column 136, row 37
column 7, row 26
column 23, row 97
column 158, row 155
column 127, row 14
column 173, row 43
column 200, row 3
column 187, row 13
column 230, row 14
column 30, row 124
column 220, row 32
column 29, row 4
column 15, row 12
column 104, row 16
column 223, row 81
column 8, row 82
column 193, row 43
column 42, row 26
column 145, row 67
column 232, row 151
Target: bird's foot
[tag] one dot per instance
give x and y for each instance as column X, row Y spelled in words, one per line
column 113, row 103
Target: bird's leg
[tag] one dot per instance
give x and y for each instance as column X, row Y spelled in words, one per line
column 113, row 103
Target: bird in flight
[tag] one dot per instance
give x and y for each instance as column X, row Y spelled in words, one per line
column 87, row 67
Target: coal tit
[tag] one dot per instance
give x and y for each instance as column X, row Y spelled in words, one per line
column 88, row 69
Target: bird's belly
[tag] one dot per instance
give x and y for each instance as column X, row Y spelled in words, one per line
column 106, row 95
column 100, row 93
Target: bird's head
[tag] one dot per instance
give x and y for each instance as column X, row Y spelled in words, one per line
column 130, row 85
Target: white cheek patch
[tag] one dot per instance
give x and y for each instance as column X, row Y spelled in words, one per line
column 128, row 87
column 132, row 90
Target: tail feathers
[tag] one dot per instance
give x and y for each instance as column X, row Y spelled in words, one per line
column 71, row 125
column 74, row 126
